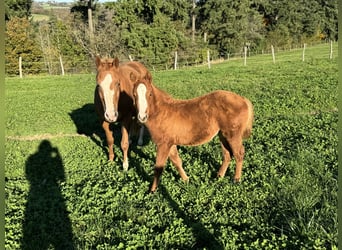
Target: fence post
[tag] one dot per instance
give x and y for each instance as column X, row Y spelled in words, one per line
column 304, row 47
column 176, row 58
column 61, row 62
column 273, row 55
column 331, row 50
column 20, row 68
column 208, row 58
column 245, row 55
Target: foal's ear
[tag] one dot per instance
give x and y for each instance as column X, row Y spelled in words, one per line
column 133, row 77
column 116, row 62
column 148, row 76
column 97, row 61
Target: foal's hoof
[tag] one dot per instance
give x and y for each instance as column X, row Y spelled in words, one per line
column 236, row 181
column 125, row 166
column 186, row 181
column 152, row 191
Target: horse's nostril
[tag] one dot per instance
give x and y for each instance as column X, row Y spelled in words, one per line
column 142, row 119
column 111, row 117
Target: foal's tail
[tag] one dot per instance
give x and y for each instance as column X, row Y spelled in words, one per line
column 248, row 129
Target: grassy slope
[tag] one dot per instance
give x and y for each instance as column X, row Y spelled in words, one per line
column 287, row 199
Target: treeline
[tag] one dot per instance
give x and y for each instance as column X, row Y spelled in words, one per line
column 152, row 30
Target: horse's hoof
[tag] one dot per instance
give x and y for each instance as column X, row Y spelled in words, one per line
column 236, row 181
column 187, row 180
column 125, row 166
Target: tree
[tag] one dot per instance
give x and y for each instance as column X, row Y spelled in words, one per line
column 20, row 41
column 149, row 30
column 294, row 22
column 229, row 24
column 17, row 8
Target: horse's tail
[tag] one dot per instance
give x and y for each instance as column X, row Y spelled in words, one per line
column 249, row 123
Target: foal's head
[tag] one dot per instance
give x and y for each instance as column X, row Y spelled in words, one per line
column 142, row 96
column 108, row 86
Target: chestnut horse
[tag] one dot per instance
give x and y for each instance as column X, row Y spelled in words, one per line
column 113, row 100
column 193, row 122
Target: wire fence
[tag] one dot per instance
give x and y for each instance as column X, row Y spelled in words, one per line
column 68, row 65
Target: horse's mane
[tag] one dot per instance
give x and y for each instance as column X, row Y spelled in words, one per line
column 166, row 97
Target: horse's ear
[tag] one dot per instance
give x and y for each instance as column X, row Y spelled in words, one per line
column 148, row 76
column 133, row 77
column 98, row 61
column 116, row 62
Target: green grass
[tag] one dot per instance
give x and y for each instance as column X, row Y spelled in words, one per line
column 66, row 195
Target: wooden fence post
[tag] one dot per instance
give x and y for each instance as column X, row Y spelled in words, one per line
column 208, row 58
column 61, row 63
column 176, row 58
column 20, row 68
column 304, row 47
column 245, row 55
column 273, row 55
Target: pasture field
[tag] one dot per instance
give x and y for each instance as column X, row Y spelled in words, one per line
column 62, row 193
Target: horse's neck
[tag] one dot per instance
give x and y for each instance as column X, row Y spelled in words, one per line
column 161, row 97
column 126, row 85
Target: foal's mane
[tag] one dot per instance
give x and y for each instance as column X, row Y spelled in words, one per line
column 161, row 94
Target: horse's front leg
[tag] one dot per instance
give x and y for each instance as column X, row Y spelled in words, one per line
column 141, row 135
column 125, row 143
column 177, row 161
column 163, row 151
column 109, row 138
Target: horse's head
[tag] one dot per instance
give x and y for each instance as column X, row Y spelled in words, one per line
column 108, row 86
column 142, row 93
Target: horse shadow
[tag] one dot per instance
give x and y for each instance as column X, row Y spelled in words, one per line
column 87, row 123
column 46, row 219
column 204, row 238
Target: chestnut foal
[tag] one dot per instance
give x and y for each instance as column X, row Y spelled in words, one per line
column 113, row 100
column 193, row 122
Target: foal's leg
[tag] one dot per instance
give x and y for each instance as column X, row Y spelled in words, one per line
column 177, row 161
column 141, row 135
column 109, row 138
column 125, row 142
column 238, row 150
column 225, row 157
column 163, row 151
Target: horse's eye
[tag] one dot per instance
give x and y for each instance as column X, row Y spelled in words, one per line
column 118, row 83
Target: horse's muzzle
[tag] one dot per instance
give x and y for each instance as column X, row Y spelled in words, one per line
column 142, row 119
column 111, row 117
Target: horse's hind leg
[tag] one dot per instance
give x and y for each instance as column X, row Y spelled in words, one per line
column 109, row 138
column 236, row 147
column 225, row 156
column 177, row 161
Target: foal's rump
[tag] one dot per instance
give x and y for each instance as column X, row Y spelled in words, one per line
column 234, row 112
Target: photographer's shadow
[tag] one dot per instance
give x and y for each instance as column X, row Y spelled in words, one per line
column 47, row 224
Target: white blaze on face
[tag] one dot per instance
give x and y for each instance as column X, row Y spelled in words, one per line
column 108, row 95
column 142, row 102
